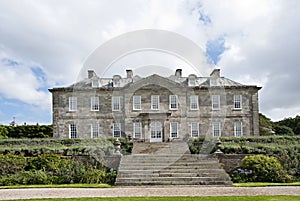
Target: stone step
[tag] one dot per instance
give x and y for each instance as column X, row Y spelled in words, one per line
column 154, row 183
column 169, row 164
column 171, row 174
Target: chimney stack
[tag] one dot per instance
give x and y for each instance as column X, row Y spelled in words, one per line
column 215, row 73
column 91, row 74
column 129, row 73
column 178, row 72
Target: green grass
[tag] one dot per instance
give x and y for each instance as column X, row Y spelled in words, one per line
column 226, row 198
column 264, row 184
column 58, row 186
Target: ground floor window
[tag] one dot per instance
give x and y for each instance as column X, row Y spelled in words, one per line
column 216, row 127
column 137, row 130
column 95, row 130
column 72, row 131
column 195, row 129
column 116, row 130
column 238, row 129
column 173, row 129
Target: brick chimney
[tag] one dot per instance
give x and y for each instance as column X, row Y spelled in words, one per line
column 129, row 73
column 178, row 72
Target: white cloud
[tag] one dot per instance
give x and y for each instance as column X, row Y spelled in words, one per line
column 261, row 37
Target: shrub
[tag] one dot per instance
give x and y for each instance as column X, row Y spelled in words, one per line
column 260, row 168
column 11, row 164
column 3, row 132
column 283, row 130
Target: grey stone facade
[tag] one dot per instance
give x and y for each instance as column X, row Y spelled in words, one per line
column 235, row 112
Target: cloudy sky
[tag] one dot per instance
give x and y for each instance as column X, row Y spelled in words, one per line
column 44, row 44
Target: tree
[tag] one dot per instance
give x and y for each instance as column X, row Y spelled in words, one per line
column 283, row 130
column 3, row 132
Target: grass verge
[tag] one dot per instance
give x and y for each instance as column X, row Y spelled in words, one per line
column 265, row 184
column 58, row 186
column 226, row 198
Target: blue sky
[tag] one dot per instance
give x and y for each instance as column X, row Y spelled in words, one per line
column 43, row 44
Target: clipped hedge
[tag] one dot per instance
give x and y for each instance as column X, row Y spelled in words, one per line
column 51, row 169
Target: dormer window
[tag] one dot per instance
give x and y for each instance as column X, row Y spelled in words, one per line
column 95, row 83
column 192, row 80
column 116, row 80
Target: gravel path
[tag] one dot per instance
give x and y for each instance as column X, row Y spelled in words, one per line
column 9, row 194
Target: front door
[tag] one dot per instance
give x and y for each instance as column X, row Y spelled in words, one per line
column 155, row 132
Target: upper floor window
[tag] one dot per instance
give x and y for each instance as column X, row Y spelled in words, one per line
column 237, row 101
column 94, row 130
column 216, row 127
column 195, row 129
column 72, row 103
column 173, row 102
column 72, row 131
column 116, row 103
column 238, row 129
column 116, row 130
column 194, row 102
column 137, row 103
column 192, row 80
column 94, row 103
column 137, row 130
column 155, row 102
column 95, row 83
column 215, row 101
column 173, row 129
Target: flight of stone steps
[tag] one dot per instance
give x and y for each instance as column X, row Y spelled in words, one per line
column 163, row 167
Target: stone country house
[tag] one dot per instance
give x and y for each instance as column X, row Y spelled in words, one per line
column 162, row 110
column 155, row 108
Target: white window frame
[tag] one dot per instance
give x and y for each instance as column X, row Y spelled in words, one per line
column 95, row 103
column 95, row 83
column 173, row 101
column 116, row 103
column 216, row 129
column 136, row 102
column 215, row 102
column 137, row 130
column 94, row 130
column 174, row 129
column 155, row 102
column 116, row 128
column 194, row 129
column 72, row 131
column 192, row 82
column 237, row 101
column 194, row 102
column 72, row 103
column 238, row 128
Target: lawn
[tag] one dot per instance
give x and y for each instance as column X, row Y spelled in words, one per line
column 264, row 184
column 58, row 186
column 226, row 198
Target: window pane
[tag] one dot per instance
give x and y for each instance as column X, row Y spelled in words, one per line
column 137, row 129
column 238, row 129
column 215, row 102
column 237, row 101
column 216, row 129
column 173, row 101
column 116, row 103
column 195, row 129
column 137, row 103
column 95, row 103
column 95, row 130
column 73, row 131
column 155, row 102
column 174, row 129
column 72, row 103
column 116, row 130
column 194, row 102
